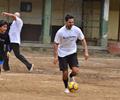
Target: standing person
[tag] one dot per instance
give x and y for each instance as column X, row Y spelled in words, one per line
column 7, row 50
column 15, row 41
column 3, row 40
column 65, row 49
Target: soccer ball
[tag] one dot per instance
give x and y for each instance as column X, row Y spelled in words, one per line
column 72, row 86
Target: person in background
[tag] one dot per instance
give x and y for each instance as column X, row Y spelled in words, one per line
column 15, row 40
column 4, row 41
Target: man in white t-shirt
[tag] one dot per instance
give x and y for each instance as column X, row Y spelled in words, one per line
column 65, row 49
column 15, row 41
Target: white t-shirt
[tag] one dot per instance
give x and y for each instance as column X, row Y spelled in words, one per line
column 67, row 40
column 15, row 30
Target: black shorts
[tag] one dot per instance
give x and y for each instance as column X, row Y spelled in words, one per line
column 70, row 60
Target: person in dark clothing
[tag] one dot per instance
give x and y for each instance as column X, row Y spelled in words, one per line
column 4, row 40
column 7, row 51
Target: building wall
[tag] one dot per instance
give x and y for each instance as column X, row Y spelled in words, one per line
column 33, row 17
column 32, row 20
column 57, row 12
column 59, row 9
column 113, row 20
column 3, row 7
column 91, row 18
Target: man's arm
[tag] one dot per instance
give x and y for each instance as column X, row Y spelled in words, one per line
column 55, row 46
column 84, row 44
column 9, row 14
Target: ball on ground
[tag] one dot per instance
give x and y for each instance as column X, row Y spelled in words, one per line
column 73, row 86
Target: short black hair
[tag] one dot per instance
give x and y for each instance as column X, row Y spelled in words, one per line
column 3, row 22
column 67, row 17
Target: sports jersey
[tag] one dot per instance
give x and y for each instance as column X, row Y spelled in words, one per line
column 15, row 30
column 66, row 38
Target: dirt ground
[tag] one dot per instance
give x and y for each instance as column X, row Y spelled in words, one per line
column 99, row 79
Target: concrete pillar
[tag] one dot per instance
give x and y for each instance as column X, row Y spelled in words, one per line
column 119, row 24
column 46, row 21
column 104, row 23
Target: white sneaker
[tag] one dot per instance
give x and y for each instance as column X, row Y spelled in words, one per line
column 67, row 90
column 31, row 68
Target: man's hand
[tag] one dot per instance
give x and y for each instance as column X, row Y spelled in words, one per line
column 3, row 13
column 55, row 46
column 55, row 60
column 86, row 55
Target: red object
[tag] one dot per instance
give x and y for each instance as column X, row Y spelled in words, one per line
column 114, row 47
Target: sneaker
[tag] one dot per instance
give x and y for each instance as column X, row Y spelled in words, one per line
column 67, row 90
column 6, row 70
column 31, row 68
column 71, row 79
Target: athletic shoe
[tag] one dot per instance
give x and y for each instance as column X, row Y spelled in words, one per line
column 7, row 70
column 66, row 90
column 31, row 68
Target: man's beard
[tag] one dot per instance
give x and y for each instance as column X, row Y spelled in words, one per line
column 69, row 27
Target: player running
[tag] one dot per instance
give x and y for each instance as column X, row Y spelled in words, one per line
column 65, row 49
